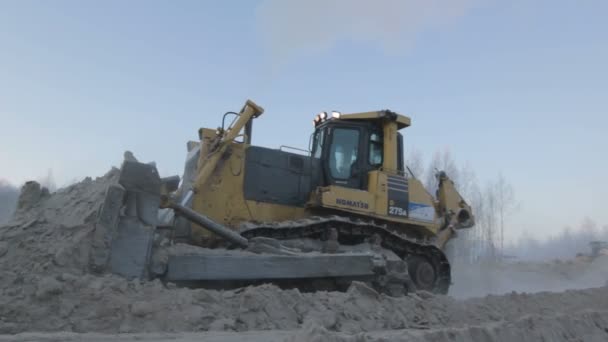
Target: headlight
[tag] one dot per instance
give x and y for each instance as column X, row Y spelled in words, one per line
column 335, row 115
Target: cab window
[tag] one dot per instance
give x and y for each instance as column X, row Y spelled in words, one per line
column 375, row 150
column 318, row 143
column 343, row 152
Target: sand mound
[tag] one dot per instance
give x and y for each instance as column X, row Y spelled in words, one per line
column 51, row 233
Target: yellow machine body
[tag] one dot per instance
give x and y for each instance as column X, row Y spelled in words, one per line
column 220, row 183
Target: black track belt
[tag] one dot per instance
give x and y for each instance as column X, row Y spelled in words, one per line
column 357, row 230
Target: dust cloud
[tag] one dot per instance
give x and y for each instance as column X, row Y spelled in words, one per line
column 291, row 28
column 499, row 278
column 558, row 263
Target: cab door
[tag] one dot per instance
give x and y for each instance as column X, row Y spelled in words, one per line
column 344, row 156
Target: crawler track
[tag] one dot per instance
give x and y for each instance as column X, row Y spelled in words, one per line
column 351, row 232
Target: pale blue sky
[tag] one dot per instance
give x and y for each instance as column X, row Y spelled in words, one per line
column 514, row 86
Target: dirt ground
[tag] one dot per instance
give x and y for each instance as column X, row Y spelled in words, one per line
column 586, row 325
column 47, row 294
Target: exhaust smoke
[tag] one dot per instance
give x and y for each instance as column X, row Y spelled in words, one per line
column 289, row 28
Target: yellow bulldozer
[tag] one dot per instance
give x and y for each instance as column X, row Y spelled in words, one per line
column 345, row 209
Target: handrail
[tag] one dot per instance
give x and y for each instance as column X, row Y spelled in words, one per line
column 295, row 149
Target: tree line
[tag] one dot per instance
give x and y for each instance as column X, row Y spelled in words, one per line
column 565, row 245
column 493, row 203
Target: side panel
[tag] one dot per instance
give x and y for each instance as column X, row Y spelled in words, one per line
column 348, row 199
column 377, row 186
column 222, row 198
column 364, row 203
column 278, row 177
column 401, row 198
column 420, row 206
column 267, row 212
column 398, row 196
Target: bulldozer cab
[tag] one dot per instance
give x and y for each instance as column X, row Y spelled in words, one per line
column 348, row 149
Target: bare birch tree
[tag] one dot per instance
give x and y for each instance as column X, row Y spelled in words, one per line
column 415, row 163
column 492, row 205
column 505, row 204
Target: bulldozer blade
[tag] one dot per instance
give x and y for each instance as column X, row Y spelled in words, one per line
column 124, row 231
column 265, row 267
column 143, row 186
column 131, row 248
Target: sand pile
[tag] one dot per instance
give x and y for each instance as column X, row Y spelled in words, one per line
column 45, row 286
column 51, row 233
